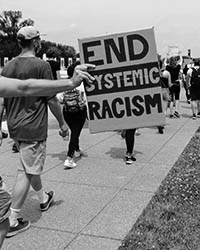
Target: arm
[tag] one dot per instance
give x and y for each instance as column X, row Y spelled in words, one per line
column 188, row 77
column 180, row 60
column 1, row 116
column 32, row 87
column 56, row 110
column 167, row 75
column 169, row 80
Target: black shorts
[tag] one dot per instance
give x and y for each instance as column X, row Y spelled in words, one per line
column 195, row 92
column 174, row 91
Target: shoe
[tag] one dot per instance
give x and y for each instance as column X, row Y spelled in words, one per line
column 194, row 117
column 15, row 149
column 22, row 226
column 45, row 206
column 176, row 114
column 130, row 159
column 80, row 153
column 137, row 132
column 171, row 116
column 123, row 134
column 69, row 163
column 4, row 135
column 198, row 115
column 160, row 130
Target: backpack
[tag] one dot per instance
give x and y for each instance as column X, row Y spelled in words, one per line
column 195, row 77
column 73, row 101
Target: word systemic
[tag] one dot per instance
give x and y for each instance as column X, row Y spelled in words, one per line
column 125, row 78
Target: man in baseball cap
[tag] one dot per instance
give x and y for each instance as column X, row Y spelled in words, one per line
column 28, row 125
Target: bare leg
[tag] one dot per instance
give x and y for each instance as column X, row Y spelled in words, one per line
column 193, row 106
column 198, row 106
column 171, row 107
column 20, row 190
column 36, row 182
column 176, row 105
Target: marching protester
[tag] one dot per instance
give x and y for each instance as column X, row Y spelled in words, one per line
column 174, row 67
column 193, row 81
column 166, row 84
column 55, row 66
column 129, row 136
column 75, row 114
column 27, row 124
column 185, row 83
column 14, row 87
column 165, row 81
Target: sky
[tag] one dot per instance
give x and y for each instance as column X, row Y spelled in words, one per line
column 63, row 21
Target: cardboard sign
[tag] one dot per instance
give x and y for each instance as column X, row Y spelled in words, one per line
column 126, row 93
column 173, row 51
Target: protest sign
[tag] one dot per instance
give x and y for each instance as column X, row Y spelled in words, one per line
column 173, row 50
column 127, row 92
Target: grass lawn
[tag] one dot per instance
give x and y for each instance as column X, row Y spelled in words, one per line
column 171, row 221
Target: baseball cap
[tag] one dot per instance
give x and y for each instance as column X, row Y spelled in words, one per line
column 27, row 33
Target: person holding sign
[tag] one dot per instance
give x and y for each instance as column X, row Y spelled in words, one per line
column 129, row 136
column 193, row 81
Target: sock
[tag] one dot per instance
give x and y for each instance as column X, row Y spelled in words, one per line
column 42, row 196
column 13, row 217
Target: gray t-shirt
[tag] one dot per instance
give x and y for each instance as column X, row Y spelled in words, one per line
column 27, row 117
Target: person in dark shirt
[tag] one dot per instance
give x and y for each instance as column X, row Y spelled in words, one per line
column 55, row 66
column 27, row 119
column 185, row 85
column 32, row 87
column 174, row 68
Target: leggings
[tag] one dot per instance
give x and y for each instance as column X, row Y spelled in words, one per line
column 75, row 121
column 130, row 140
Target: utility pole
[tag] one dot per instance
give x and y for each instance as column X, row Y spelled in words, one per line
column 189, row 53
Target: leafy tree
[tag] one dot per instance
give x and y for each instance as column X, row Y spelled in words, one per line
column 54, row 52
column 27, row 22
column 9, row 23
column 9, row 26
column 60, row 50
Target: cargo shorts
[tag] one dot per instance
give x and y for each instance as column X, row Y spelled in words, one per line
column 32, row 156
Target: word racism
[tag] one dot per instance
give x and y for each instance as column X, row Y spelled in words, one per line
column 125, row 107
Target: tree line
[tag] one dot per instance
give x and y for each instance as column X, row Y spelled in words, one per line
column 10, row 24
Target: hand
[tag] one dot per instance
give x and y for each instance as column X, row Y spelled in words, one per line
column 80, row 74
column 64, row 133
column 64, row 126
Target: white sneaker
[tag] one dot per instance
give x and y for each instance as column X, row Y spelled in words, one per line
column 80, row 153
column 69, row 163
